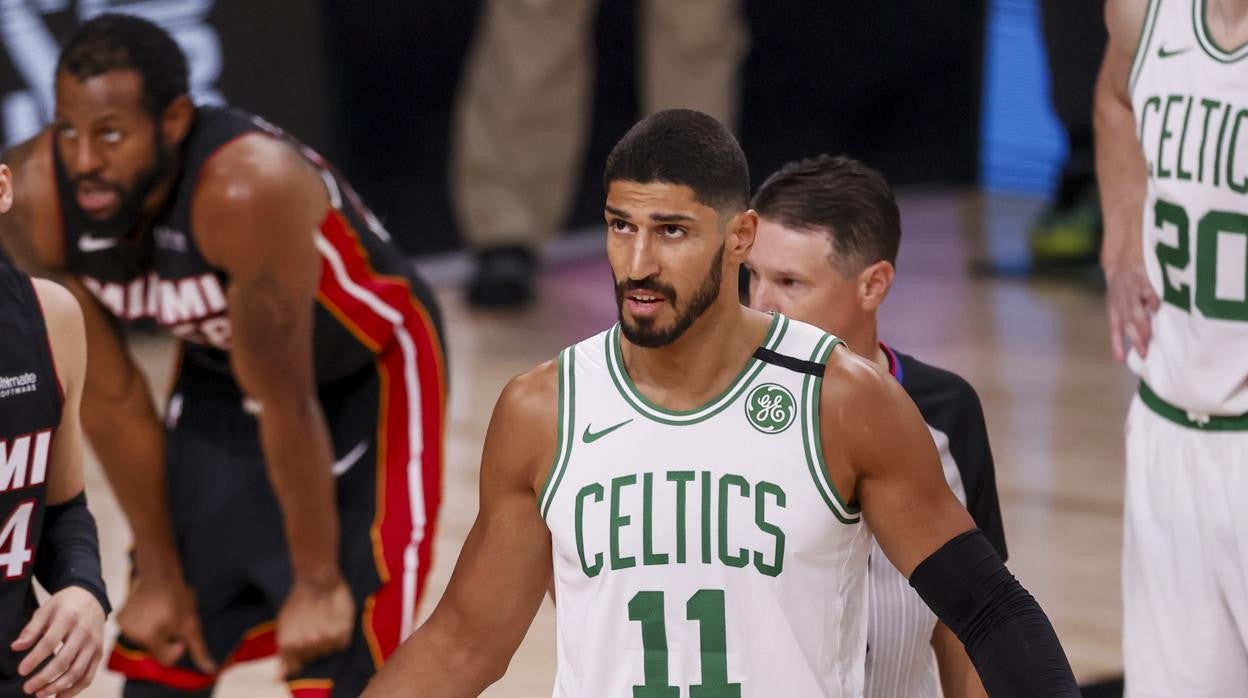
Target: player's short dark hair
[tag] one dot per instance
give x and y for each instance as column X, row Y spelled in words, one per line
column 686, row 147
column 115, row 41
column 841, row 197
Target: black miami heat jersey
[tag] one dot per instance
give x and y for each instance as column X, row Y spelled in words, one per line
column 156, row 275
column 30, row 411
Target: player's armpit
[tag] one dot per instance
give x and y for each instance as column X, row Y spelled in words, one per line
column 504, row 568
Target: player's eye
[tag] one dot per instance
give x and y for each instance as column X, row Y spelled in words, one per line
column 673, row 231
column 110, row 136
column 788, row 282
column 67, row 131
column 618, row 225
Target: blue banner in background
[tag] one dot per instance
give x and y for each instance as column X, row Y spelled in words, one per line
column 1022, row 144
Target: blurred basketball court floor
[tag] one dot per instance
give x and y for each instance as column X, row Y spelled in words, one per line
column 1036, row 351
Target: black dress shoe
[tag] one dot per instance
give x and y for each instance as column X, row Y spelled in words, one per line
column 503, row 278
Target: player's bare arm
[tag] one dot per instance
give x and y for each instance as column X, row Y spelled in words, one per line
column 119, row 418
column 1122, row 179
column 73, row 617
column 255, row 213
column 505, row 565
column 883, row 453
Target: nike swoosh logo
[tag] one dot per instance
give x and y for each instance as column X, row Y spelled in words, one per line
column 591, row 436
column 1163, row 53
column 87, row 243
column 344, row 464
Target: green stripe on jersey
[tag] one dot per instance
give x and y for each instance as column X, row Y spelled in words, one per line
column 662, row 415
column 566, row 430
column 1141, row 48
column 812, row 439
column 1200, row 20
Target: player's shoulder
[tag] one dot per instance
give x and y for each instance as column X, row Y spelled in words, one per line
column 853, row 386
column 1124, row 20
column 67, row 336
column 252, row 164
column 533, row 394
column 61, row 312
column 847, row 372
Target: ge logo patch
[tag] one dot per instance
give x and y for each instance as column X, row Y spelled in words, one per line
column 770, row 408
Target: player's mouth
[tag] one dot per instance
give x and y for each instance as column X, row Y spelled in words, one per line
column 97, row 200
column 644, row 303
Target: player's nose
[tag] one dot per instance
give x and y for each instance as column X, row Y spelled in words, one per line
column 86, row 158
column 642, row 262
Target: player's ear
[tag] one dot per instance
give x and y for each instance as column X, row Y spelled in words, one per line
column 874, row 283
column 6, row 188
column 741, row 230
column 176, row 122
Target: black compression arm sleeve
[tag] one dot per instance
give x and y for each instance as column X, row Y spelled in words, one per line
column 1006, row 634
column 69, row 552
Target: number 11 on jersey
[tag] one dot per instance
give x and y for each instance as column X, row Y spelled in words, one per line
column 706, row 606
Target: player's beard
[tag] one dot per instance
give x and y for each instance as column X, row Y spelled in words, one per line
column 642, row 331
column 132, row 198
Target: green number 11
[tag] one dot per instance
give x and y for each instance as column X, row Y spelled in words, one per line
column 707, row 607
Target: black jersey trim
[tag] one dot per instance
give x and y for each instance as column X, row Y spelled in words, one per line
column 809, row 368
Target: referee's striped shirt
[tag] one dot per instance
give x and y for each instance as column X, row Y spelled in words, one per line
column 900, row 659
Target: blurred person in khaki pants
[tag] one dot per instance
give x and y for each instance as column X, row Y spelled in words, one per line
column 523, row 113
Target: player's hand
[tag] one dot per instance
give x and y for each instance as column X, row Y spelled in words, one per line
column 314, row 621
column 69, row 629
column 162, row 617
column 1131, row 302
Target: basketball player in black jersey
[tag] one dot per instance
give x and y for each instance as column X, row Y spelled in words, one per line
column 825, row 253
column 296, row 475
column 46, row 531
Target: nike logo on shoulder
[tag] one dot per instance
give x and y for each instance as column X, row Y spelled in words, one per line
column 1163, row 53
column 591, row 436
column 89, row 243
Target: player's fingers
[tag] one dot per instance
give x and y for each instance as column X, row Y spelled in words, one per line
column 1150, row 298
column 1115, row 335
column 63, row 671
column 38, row 623
column 92, row 662
column 1137, row 341
column 56, row 631
column 1141, row 322
column 200, row 656
column 167, row 651
column 290, row 663
column 59, row 664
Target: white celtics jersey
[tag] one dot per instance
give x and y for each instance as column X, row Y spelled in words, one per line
column 1190, row 99
column 705, row 553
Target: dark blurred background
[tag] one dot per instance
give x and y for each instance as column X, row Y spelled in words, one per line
column 899, row 84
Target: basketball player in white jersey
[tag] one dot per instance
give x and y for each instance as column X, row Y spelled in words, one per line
column 699, row 474
column 828, row 233
column 1172, row 161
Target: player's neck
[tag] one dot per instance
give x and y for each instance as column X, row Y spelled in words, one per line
column 702, row 362
column 1227, row 21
